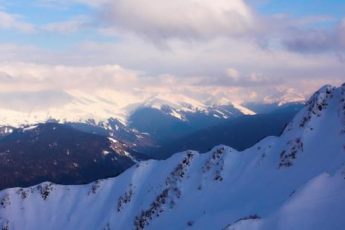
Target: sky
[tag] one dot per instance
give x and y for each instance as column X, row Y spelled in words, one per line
column 53, row 51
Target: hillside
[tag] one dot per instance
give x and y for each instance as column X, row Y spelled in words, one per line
column 59, row 153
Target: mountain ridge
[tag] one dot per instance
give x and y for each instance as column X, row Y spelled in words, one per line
column 295, row 181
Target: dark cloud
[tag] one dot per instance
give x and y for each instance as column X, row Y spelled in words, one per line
column 317, row 40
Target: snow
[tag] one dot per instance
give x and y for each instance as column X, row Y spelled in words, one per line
column 243, row 109
column 6, row 130
column 295, row 181
column 112, row 140
column 29, row 128
column 127, row 154
column 179, row 116
column 105, row 152
column 222, row 113
column 176, row 101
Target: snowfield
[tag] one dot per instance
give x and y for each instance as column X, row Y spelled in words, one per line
column 296, row 181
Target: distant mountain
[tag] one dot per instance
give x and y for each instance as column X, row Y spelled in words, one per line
column 292, row 182
column 36, row 153
column 142, row 124
column 104, row 105
column 60, row 154
column 240, row 132
column 115, row 129
column 264, row 108
column 5, row 131
column 165, row 123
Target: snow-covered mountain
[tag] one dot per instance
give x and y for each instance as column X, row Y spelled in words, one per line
column 239, row 132
column 109, row 105
column 116, row 130
column 181, row 106
column 295, row 181
column 166, row 123
column 142, row 123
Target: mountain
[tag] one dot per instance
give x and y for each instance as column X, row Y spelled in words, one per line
column 115, row 129
column 295, row 181
column 142, row 124
column 5, row 131
column 263, row 108
column 34, row 154
column 240, row 132
column 157, row 122
column 100, row 106
column 165, row 122
column 61, row 154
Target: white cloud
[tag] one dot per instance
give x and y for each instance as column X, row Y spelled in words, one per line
column 233, row 74
column 36, row 77
column 182, row 19
column 35, row 92
column 29, row 77
column 12, row 21
column 69, row 26
column 28, row 101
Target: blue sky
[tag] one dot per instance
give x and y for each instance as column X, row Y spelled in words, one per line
column 38, row 15
column 243, row 50
column 334, row 8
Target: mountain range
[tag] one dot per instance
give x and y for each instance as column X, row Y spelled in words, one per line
column 294, row 181
column 81, row 152
column 109, row 104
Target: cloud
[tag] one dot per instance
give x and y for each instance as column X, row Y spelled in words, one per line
column 69, row 26
column 206, row 51
column 182, row 19
column 207, row 61
column 26, row 101
column 37, row 77
column 14, row 22
column 317, row 40
column 36, row 92
column 26, row 77
column 233, row 78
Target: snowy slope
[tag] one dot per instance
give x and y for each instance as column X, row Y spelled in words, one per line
column 296, row 181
